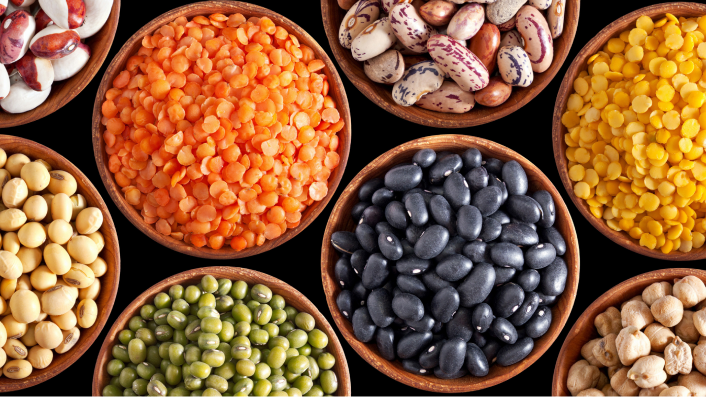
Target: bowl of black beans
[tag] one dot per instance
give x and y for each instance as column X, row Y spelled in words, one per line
column 450, row 263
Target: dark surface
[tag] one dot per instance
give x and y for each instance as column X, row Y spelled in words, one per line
column 528, row 131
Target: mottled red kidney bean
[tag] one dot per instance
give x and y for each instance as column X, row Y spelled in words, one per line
column 539, row 45
column 485, row 45
column 15, row 34
column 495, row 93
column 466, row 22
column 411, row 30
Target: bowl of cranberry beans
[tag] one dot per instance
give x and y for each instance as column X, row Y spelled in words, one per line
column 450, row 263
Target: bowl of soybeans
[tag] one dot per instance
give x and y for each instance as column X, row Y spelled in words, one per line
column 221, row 129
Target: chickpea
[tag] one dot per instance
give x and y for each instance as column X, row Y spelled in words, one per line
column 686, row 329
column 87, row 312
column 679, row 391
column 653, row 391
column 591, row 392
column 659, row 336
column 582, row 376
column 35, row 208
column 10, row 265
column 700, row 322
column 608, row 322
column 632, row 344
column 695, row 382
column 678, row 357
column 636, row 313
column 97, row 238
column 17, row 369
column 608, row 391
column 648, row 372
column 62, row 182
column 30, row 258
column 61, row 207
column 43, row 279
column 32, row 234
column 91, row 292
column 89, row 220
column 656, row 291
column 70, row 338
column 60, row 231
column 79, row 203
column 29, row 339
column 48, row 334
column 15, row 349
column 15, row 163
column 12, row 219
column 587, row 353
column 25, row 306
column 11, row 242
column 66, row 321
column 80, row 276
column 690, row 290
column 14, row 193
column 668, row 310
column 623, row 385
column 602, row 381
column 57, row 301
column 83, row 249
column 99, row 267
column 634, row 298
column 606, row 352
column 40, row 357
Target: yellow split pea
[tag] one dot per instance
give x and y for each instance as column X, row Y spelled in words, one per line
column 636, row 126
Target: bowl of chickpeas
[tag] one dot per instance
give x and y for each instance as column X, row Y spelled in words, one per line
column 628, row 135
column 59, row 263
column 233, row 148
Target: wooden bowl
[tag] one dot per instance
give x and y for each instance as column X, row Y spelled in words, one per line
column 341, row 220
column 118, row 64
column 111, row 254
column 558, row 129
column 64, row 91
column 294, row 298
column 381, row 94
column 584, row 330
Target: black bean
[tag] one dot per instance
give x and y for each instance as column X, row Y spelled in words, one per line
column 491, row 349
column 501, row 217
column 453, row 247
column 413, row 366
column 528, row 279
column 487, row 200
column 460, row 325
column 390, row 246
column 426, row 195
column 515, row 178
column 427, row 323
column 540, row 255
column 435, row 190
column 507, row 299
column 412, row 344
column 539, row 324
column 477, row 179
column 442, row 213
column 493, row 165
column 513, row 354
column 478, row 285
column 444, row 304
column 429, row 358
column 493, row 180
column 469, row 222
column 376, row 271
column 532, row 225
column 412, row 233
column 552, row 236
column 507, row 255
column 432, row 242
column 443, row 375
column 526, row 310
column 456, row 191
column 433, row 282
column 396, row 215
column 479, row 339
column 472, row 158
column 482, row 317
column 344, row 273
column 519, row 234
column 476, row 362
column 360, row 294
column 547, row 300
column 367, row 237
column 382, row 197
column 363, row 326
column 357, row 210
column 504, row 274
column 358, row 261
column 345, row 304
column 412, row 265
column 407, row 248
column 344, row 242
column 385, row 339
column 454, row 267
column 403, row 178
column 553, row 279
column 438, row 328
column 424, row 158
column 372, row 215
column 452, row 355
column 524, row 208
column 380, row 307
column 503, row 330
column 477, row 251
column 411, row 285
column 416, row 208
column 408, row 307
column 444, row 167
column 366, row 190
column 384, row 227
column 546, row 202
column 491, row 230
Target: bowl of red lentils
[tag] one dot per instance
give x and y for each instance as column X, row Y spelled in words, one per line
column 629, row 135
column 221, row 129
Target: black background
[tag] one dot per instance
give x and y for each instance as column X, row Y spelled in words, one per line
column 528, row 131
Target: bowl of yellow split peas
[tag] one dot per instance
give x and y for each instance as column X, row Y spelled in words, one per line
column 630, row 127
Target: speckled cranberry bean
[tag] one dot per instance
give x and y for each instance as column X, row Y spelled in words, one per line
column 359, row 16
column 466, row 22
column 450, row 98
column 555, row 17
column 515, row 67
column 511, row 38
column 373, row 40
column 540, row 4
column 386, row 68
column 438, row 12
column 509, row 25
column 387, row 5
column 538, row 40
column 459, row 62
column 420, row 79
column 411, row 30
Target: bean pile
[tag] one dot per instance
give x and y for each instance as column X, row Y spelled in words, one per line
column 221, row 337
column 450, row 273
column 49, row 264
column 653, row 346
column 442, row 55
column 636, row 133
column 221, row 131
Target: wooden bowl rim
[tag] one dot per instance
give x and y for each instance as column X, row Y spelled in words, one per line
column 431, row 118
column 344, row 380
column 309, row 215
column 84, row 77
column 86, row 340
column 429, row 383
column 558, row 129
column 608, row 299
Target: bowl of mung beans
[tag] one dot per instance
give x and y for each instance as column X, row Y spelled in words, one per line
column 221, row 129
column 627, row 131
column 219, row 330
column 55, row 300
